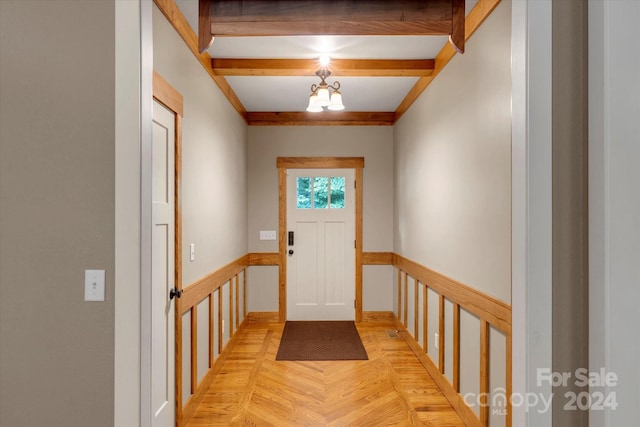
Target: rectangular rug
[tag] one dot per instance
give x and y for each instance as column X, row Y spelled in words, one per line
column 321, row 340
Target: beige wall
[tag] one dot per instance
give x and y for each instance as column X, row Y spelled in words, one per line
column 375, row 144
column 452, row 166
column 214, row 164
column 57, row 133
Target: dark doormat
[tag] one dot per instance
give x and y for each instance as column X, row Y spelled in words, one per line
column 321, row 340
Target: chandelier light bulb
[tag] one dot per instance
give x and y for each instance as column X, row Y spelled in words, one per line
column 313, row 106
column 323, row 97
column 336, row 101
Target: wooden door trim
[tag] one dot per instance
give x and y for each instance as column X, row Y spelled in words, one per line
column 284, row 163
column 320, row 162
column 282, row 246
column 168, row 96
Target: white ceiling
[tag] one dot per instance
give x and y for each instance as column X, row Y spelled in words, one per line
column 292, row 93
column 338, row 47
column 262, row 94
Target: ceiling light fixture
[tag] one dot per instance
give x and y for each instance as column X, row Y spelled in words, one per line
column 325, row 95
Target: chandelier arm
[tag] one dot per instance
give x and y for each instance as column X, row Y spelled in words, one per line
column 323, row 74
column 320, row 93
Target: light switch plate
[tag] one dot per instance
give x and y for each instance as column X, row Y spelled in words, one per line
column 267, row 235
column 94, row 285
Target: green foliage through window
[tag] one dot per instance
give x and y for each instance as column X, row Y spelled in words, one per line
column 320, row 192
column 337, row 192
column 304, row 192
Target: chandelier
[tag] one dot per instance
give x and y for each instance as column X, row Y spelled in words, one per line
column 325, row 95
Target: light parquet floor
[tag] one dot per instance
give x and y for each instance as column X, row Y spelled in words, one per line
column 392, row 388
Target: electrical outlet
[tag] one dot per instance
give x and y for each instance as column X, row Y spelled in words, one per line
column 192, row 252
column 436, row 342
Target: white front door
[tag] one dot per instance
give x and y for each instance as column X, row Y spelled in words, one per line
column 162, row 308
column 321, row 244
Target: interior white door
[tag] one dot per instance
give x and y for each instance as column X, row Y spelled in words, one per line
column 163, row 278
column 321, row 244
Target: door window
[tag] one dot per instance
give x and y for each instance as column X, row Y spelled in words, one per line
column 320, row 192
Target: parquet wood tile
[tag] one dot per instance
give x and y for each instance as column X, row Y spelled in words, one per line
column 390, row 389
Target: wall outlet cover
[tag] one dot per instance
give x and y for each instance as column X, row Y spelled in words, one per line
column 267, row 235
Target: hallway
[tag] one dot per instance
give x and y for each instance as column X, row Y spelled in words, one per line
column 391, row 388
column 514, row 174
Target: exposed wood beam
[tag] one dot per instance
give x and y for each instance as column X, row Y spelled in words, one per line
column 330, row 17
column 326, row 118
column 341, row 28
column 336, row 17
column 204, row 26
column 476, row 17
column 458, row 23
column 308, row 67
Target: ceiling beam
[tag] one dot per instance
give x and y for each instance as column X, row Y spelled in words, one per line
column 336, row 17
column 308, row 67
column 329, row 17
column 326, row 118
column 456, row 38
column 204, row 26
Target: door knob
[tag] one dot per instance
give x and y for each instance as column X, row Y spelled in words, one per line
column 290, row 252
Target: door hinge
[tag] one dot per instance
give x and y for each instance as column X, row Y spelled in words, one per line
column 354, row 303
column 354, row 245
column 355, row 184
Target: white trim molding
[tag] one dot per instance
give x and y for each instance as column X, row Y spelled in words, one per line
column 531, row 203
column 127, row 215
column 146, row 197
column 614, row 206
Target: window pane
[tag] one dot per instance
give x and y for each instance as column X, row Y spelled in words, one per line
column 320, row 192
column 304, row 192
column 337, row 192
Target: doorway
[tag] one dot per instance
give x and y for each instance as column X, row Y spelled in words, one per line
column 321, row 244
column 352, row 302
column 166, row 252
